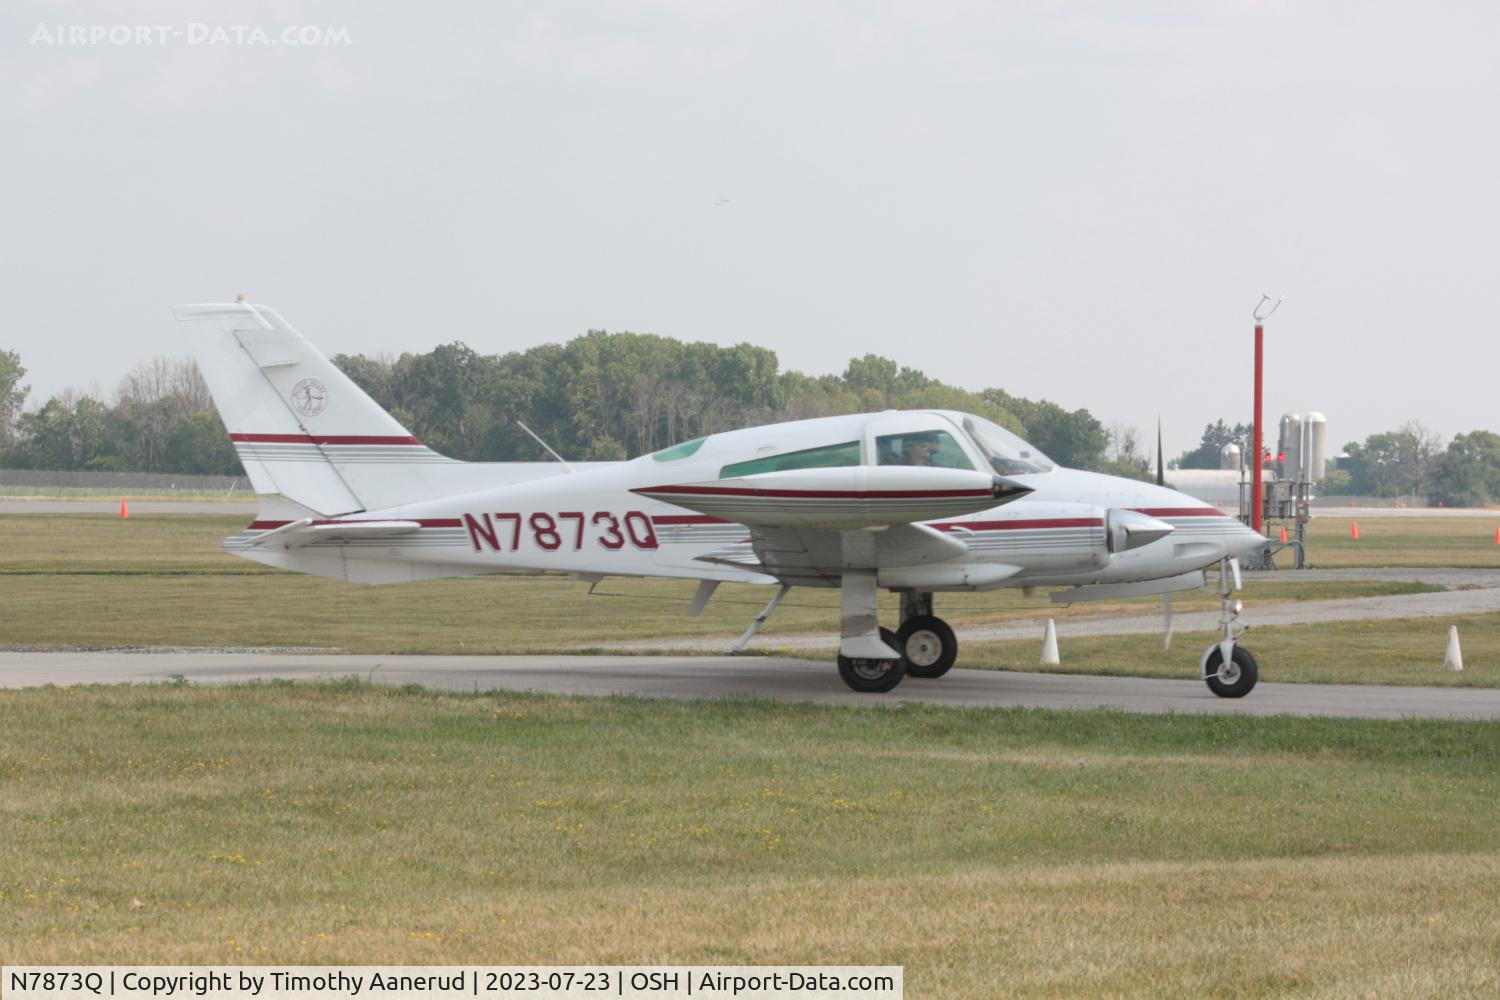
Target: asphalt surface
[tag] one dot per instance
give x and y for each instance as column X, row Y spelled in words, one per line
column 784, row 679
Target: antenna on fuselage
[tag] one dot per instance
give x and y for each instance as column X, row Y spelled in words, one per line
column 544, row 444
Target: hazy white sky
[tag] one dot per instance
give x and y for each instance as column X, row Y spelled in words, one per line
column 1077, row 201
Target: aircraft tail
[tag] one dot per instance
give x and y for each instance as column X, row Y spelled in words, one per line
column 302, row 429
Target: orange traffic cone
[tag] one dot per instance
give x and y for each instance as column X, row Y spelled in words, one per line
column 124, row 508
column 1283, row 534
column 1354, row 529
column 1497, row 536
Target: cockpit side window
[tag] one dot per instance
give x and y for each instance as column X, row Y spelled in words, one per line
column 828, row 457
column 1008, row 455
column 932, row 448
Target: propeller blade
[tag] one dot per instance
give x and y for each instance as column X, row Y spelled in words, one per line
column 1166, row 613
column 1161, row 479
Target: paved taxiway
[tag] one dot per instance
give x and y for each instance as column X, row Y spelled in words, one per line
column 783, row 679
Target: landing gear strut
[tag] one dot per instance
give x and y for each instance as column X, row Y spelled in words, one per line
column 1228, row 668
column 924, row 646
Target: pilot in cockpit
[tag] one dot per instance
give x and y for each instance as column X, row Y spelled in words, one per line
column 919, row 449
column 916, row 449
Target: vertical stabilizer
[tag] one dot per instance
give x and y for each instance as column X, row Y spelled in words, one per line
column 301, row 427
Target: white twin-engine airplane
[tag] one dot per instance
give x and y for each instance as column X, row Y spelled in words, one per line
column 916, row 502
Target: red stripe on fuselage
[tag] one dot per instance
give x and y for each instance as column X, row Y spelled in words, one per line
column 321, row 439
column 742, row 491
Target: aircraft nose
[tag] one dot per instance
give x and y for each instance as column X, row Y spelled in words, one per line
column 1242, row 540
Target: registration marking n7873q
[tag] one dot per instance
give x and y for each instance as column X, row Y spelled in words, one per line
column 551, row 531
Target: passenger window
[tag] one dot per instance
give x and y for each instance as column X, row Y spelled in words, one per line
column 931, row 448
column 827, row 457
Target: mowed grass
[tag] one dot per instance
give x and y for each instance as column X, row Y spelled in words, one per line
column 1401, row 541
column 990, row 852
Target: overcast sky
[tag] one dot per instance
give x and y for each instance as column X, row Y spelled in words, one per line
column 1076, row 201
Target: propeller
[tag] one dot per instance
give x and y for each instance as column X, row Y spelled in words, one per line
column 1161, row 479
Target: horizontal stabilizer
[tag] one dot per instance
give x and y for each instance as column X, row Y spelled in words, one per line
column 295, row 534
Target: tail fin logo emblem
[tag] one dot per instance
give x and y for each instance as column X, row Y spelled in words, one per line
column 309, row 397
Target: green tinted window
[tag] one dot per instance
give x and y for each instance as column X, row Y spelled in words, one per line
column 677, row 451
column 935, row 448
column 827, row 457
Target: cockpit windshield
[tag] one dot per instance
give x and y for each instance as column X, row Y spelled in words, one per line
column 1007, row 454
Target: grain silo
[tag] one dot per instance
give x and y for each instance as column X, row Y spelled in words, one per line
column 1229, row 456
column 1290, row 445
column 1315, row 461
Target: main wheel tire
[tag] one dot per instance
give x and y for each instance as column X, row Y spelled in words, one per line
column 928, row 646
column 873, row 676
column 1237, row 679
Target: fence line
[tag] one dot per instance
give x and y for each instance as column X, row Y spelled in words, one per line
column 123, row 480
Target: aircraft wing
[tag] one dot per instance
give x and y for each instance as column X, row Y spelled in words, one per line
column 903, row 555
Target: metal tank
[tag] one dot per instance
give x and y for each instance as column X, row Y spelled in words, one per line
column 1290, row 445
column 1229, row 456
column 1315, row 458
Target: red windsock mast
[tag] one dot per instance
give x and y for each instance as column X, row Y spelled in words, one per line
column 1257, row 504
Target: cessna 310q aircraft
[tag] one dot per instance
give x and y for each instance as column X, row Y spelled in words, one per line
column 917, row 502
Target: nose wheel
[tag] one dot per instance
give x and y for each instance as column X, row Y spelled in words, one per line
column 1234, row 679
column 1228, row 668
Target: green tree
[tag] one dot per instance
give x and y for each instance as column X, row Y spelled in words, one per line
column 1073, row 438
column 12, row 395
column 199, row 445
column 1215, row 436
column 1469, row 472
column 1403, row 461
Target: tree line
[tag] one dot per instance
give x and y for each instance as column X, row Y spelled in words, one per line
column 599, row 397
column 608, row 396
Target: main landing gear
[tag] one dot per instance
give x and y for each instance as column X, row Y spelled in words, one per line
column 926, row 643
column 1228, row 668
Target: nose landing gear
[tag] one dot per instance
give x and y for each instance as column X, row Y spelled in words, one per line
column 1228, row 668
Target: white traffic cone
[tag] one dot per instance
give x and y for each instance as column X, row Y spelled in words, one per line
column 1454, row 659
column 1049, row 646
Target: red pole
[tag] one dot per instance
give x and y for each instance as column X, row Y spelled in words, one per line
column 1255, row 494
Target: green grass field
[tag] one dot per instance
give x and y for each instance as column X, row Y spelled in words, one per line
column 993, row 852
column 1403, row 541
